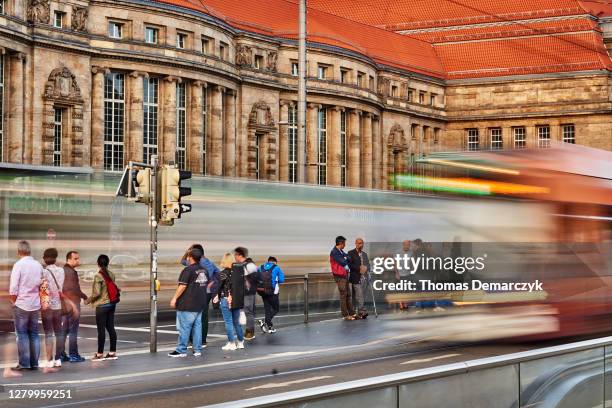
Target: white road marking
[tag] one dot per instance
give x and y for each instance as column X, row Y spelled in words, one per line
column 276, row 317
column 146, row 330
column 426, row 360
column 288, row 383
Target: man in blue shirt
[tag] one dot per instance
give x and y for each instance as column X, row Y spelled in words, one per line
column 211, row 290
column 271, row 276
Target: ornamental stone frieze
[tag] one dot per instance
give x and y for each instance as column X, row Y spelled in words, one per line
column 62, row 85
column 272, row 61
column 383, row 86
column 38, row 11
column 79, row 18
column 261, row 115
column 244, row 55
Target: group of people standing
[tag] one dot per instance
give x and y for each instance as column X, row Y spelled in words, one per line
column 232, row 289
column 46, row 290
column 351, row 272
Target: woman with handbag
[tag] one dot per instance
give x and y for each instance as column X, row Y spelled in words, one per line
column 231, row 313
column 104, row 297
column 53, row 275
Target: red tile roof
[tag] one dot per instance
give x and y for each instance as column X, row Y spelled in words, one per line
column 598, row 8
column 504, row 48
column 531, row 55
column 506, row 30
column 411, row 14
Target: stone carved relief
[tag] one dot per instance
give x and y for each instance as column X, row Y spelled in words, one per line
column 383, row 86
column 62, row 85
column 261, row 115
column 79, row 18
column 272, row 61
column 39, row 11
column 244, row 55
column 397, row 138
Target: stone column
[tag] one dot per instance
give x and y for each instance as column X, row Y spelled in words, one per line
column 216, row 131
column 196, row 127
column 270, row 157
column 376, row 153
column 384, row 147
column 48, row 137
column 311, row 143
column 16, row 106
column 531, row 137
column 134, row 145
column 484, row 138
column 354, row 142
column 77, row 136
column 555, row 133
column 167, row 149
column 334, row 153
column 283, row 142
column 366, row 151
column 97, row 117
column 229, row 151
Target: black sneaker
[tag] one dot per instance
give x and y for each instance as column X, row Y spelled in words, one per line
column 262, row 324
column 271, row 330
column 64, row 357
column 176, row 354
column 98, row 357
column 110, row 356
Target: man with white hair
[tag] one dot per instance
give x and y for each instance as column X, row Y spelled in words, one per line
column 26, row 278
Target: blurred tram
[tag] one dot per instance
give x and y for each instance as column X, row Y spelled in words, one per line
column 519, row 207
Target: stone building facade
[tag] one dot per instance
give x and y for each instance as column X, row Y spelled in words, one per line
column 206, row 84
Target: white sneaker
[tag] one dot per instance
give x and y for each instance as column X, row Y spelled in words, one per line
column 57, row 363
column 229, row 346
column 197, row 354
column 239, row 345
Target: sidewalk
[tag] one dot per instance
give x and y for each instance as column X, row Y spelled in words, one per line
column 289, row 343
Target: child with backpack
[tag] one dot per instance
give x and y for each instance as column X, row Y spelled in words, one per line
column 270, row 278
column 104, row 297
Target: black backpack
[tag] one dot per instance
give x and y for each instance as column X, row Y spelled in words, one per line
column 264, row 284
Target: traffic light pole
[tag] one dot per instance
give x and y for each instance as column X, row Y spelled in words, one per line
column 153, row 211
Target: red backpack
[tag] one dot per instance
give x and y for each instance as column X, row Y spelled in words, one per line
column 111, row 286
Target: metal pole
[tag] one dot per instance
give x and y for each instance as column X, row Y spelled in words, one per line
column 306, row 298
column 153, row 284
column 301, row 145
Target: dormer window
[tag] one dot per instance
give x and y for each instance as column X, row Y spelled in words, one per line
column 258, row 62
column 58, row 19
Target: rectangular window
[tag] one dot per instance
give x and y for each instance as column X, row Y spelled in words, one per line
column 292, row 130
column 344, row 76
column 295, row 68
column 343, row 155
column 207, row 44
column 204, row 127
column 371, row 83
column 1, row 105
column 58, row 19
column 410, row 95
column 360, row 79
column 473, row 139
column 2, row 7
column 114, row 120
column 432, row 99
column 259, row 63
column 497, row 142
column 115, row 30
column 150, row 109
column 181, row 125
column 543, row 137
column 223, row 51
column 322, row 72
column 57, row 137
column 322, row 146
column 393, row 91
column 520, row 138
column 181, row 41
column 421, row 98
column 569, row 134
column 151, row 35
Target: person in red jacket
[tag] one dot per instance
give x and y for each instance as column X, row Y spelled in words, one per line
column 339, row 261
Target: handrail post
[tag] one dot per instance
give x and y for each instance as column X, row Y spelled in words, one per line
column 306, row 298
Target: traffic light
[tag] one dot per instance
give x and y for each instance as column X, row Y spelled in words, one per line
column 172, row 193
column 142, row 186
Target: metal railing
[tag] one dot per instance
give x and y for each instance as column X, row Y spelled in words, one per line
column 548, row 377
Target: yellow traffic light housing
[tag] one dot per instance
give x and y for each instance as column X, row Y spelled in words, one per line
column 143, row 186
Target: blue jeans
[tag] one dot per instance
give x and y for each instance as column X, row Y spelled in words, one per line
column 231, row 318
column 28, row 342
column 70, row 330
column 189, row 323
